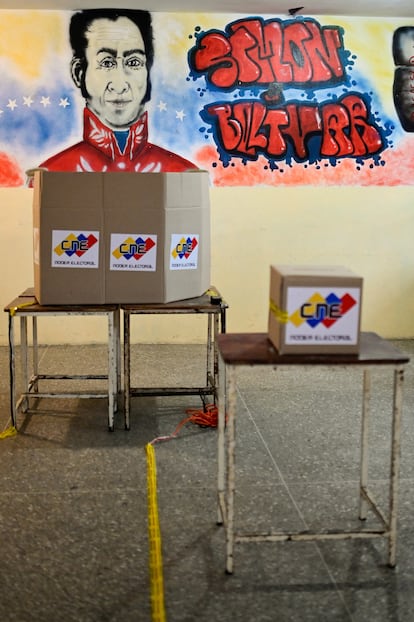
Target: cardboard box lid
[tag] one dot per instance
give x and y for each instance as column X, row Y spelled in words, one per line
column 297, row 273
column 313, row 270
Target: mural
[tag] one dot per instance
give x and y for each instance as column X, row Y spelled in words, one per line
column 273, row 55
column 111, row 64
column 294, row 105
column 253, row 100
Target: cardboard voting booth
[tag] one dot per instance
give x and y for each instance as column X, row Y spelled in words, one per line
column 120, row 237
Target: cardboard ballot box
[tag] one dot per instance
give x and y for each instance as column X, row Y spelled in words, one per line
column 120, row 237
column 314, row 309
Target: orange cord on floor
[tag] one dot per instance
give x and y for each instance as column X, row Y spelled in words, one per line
column 206, row 417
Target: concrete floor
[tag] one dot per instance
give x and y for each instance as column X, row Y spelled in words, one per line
column 73, row 510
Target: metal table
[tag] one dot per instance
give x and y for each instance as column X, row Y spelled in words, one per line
column 255, row 349
column 210, row 304
column 26, row 306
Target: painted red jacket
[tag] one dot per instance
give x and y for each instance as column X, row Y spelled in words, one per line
column 99, row 151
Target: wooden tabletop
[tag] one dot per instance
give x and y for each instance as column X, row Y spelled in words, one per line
column 257, row 349
column 209, row 301
column 25, row 303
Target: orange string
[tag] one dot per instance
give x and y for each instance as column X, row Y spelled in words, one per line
column 206, row 417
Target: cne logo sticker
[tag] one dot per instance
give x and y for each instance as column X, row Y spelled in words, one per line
column 184, row 251
column 75, row 249
column 323, row 310
column 324, row 316
column 136, row 251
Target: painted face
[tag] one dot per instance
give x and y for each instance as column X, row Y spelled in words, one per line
column 116, row 74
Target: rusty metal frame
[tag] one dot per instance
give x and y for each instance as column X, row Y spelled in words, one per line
column 25, row 307
column 216, row 323
column 226, row 484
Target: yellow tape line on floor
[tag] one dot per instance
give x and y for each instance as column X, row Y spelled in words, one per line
column 154, row 533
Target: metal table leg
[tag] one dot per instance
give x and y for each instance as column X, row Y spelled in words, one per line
column 127, row 363
column 221, row 450
column 35, row 357
column 12, row 372
column 395, row 463
column 209, row 352
column 216, row 378
column 112, row 372
column 231, row 447
column 24, row 360
column 363, row 505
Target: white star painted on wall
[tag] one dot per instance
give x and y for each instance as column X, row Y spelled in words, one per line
column 45, row 101
column 12, row 104
column 27, row 101
column 180, row 114
column 64, row 102
column 162, row 106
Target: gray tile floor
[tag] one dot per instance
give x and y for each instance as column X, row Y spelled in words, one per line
column 73, row 510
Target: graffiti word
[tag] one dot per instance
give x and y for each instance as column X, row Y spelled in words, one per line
column 248, row 128
column 254, row 51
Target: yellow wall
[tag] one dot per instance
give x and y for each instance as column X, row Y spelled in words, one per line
column 367, row 229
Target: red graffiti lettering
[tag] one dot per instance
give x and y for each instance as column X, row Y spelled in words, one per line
column 254, row 51
column 253, row 47
column 249, row 128
column 214, row 57
column 303, row 122
column 348, row 132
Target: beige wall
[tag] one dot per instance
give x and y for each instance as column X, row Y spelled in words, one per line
column 369, row 229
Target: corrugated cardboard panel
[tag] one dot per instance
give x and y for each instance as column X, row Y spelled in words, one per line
column 190, row 189
column 187, row 256
column 66, row 191
column 134, row 190
column 67, row 214
column 143, row 214
column 134, row 263
column 134, row 216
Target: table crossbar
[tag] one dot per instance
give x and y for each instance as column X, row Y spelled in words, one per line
column 26, row 306
column 214, row 308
